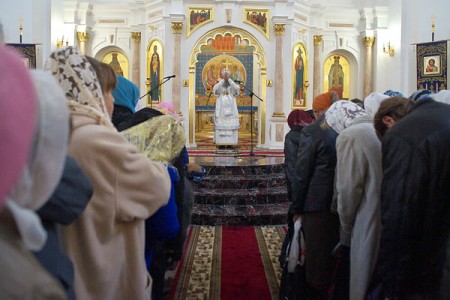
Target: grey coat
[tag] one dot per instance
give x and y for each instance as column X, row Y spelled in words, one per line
column 358, row 185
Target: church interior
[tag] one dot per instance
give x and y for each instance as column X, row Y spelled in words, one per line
column 282, row 54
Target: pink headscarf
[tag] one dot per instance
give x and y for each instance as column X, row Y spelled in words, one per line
column 167, row 108
column 17, row 119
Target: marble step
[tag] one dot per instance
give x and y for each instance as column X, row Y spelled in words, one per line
column 252, row 196
column 243, row 169
column 242, row 181
column 244, row 215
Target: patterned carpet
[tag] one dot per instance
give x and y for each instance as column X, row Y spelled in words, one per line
column 230, row 262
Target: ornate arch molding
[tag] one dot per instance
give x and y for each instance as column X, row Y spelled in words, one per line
column 233, row 31
column 261, row 61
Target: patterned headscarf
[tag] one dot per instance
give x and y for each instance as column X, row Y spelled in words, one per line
column 126, row 93
column 372, row 103
column 160, row 138
column 342, row 113
column 79, row 81
column 17, row 118
column 46, row 161
column 299, row 117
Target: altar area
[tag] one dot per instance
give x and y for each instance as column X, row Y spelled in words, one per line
column 204, row 121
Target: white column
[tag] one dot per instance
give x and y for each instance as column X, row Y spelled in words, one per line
column 177, row 28
column 136, row 51
column 317, row 68
column 368, row 66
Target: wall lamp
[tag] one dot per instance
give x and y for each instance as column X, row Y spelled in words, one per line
column 389, row 49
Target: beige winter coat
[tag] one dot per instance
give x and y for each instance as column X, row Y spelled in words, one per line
column 106, row 244
column 358, row 183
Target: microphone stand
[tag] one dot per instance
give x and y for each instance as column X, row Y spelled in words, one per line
column 251, row 94
column 155, row 88
column 209, row 96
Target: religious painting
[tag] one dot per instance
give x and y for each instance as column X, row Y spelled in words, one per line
column 155, row 69
column 336, row 76
column 198, row 17
column 299, row 76
column 258, row 18
column 118, row 62
column 212, row 71
column 432, row 66
column 28, row 53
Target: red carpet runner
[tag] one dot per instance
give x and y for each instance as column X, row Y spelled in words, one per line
column 231, row 262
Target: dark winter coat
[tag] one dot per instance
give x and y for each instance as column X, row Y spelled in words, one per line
column 415, row 202
column 313, row 187
column 65, row 205
column 291, row 142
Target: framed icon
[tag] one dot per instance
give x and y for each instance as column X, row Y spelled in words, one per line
column 199, row 16
column 258, row 18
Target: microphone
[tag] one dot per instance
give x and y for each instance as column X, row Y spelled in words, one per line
column 168, row 77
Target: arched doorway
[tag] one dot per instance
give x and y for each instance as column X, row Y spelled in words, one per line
column 233, row 48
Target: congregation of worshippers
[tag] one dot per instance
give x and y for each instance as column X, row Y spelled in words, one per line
column 96, row 197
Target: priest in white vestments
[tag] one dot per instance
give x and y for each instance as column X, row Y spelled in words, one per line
column 226, row 117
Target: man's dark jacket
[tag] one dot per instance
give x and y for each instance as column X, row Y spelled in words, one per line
column 415, row 202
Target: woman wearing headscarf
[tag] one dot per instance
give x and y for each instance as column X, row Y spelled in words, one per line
column 106, row 243
column 358, row 183
column 126, row 96
column 296, row 120
column 70, row 196
column 17, row 106
column 312, row 194
column 372, row 103
column 21, row 230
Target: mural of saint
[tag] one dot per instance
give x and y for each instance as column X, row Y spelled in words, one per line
column 336, row 77
column 115, row 64
column 155, row 74
column 211, row 78
column 299, row 67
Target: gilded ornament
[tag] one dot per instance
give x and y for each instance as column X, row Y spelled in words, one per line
column 279, row 29
column 83, row 37
column 136, row 37
column 318, row 40
column 368, row 41
column 177, row 27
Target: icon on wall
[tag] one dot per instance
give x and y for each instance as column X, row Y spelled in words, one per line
column 336, row 76
column 198, row 17
column 300, row 76
column 118, row 62
column 258, row 18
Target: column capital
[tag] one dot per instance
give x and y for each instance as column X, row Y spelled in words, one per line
column 177, row 27
column 83, row 37
column 368, row 41
column 136, row 37
column 279, row 29
column 318, row 40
